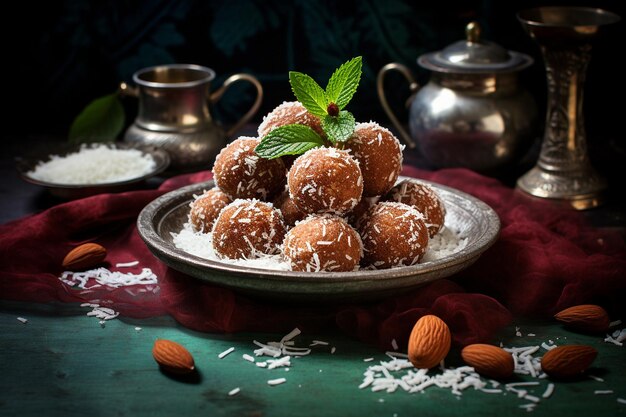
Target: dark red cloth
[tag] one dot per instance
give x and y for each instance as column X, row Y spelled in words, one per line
column 545, row 259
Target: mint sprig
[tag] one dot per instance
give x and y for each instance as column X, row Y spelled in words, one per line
column 328, row 103
column 344, row 82
column 337, row 123
column 288, row 140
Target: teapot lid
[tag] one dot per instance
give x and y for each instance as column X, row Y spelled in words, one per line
column 474, row 55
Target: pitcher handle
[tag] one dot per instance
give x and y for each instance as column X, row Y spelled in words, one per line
column 380, row 87
column 217, row 95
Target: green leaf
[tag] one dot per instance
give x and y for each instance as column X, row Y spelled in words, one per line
column 344, row 82
column 288, row 140
column 340, row 128
column 101, row 121
column 309, row 93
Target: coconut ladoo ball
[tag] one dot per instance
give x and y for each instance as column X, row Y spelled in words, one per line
column 240, row 173
column 325, row 180
column 289, row 113
column 323, row 243
column 393, row 235
column 247, row 229
column 380, row 157
column 206, row 208
column 291, row 213
column 424, row 198
column 356, row 216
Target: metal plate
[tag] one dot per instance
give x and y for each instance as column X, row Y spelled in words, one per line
column 474, row 219
column 75, row 191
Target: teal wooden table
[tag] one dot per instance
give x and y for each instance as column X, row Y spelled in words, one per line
column 61, row 362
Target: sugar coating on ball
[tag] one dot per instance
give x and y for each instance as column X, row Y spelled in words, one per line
column 380, row 157
column 325, row 180
column 205, row 208
column 240, row 173
column 424, row 198
column 323, row 243
column 288, row 113
column 393, row 234
column 248, row 228
column 291, row 213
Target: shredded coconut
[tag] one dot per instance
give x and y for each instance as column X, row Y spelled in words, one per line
column 226, row 352
column 95, row 278
column 277, row 381
column 127, row 264
column 101, row 313
column 96, row 164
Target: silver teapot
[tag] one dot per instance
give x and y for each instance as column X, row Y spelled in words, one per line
column 472, row 113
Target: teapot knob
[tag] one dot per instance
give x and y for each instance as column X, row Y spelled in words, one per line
column 472, row 32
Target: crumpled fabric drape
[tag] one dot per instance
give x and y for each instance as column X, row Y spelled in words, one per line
column 546, row 258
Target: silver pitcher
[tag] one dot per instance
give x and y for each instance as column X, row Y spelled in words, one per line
column 473, row 112
column 174, row 113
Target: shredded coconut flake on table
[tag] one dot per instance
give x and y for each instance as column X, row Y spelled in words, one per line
column 617, row 337
column 22, row 320
column 107, row 278
column 96, row 164
column 277, row 381
column 226, row 352
column 234, row 391
column 102, row 313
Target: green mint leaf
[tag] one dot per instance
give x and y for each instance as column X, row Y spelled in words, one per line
column 101, row 121
column 309, row 93
column 288, row 140
column 344, row 82
column 340, row 128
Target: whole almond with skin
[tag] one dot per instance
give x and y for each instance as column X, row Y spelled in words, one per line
column 172, row 357
column 568, row 361
column 429, row 342
column 488, row 360
column 585, row 317
column 84, row 256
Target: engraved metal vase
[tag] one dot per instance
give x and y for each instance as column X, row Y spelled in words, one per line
column 563, row 171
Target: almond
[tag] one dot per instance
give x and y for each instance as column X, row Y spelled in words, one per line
column 488, row 360
column 84, row 257
column 585, row 317
column 429, row 342
column 568, row 361
column 172, row 357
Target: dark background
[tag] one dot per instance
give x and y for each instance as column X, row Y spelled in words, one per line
column 65, row 54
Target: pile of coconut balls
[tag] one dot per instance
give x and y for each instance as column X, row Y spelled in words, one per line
column 331, row 209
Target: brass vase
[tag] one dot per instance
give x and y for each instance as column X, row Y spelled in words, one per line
column 563, row 171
